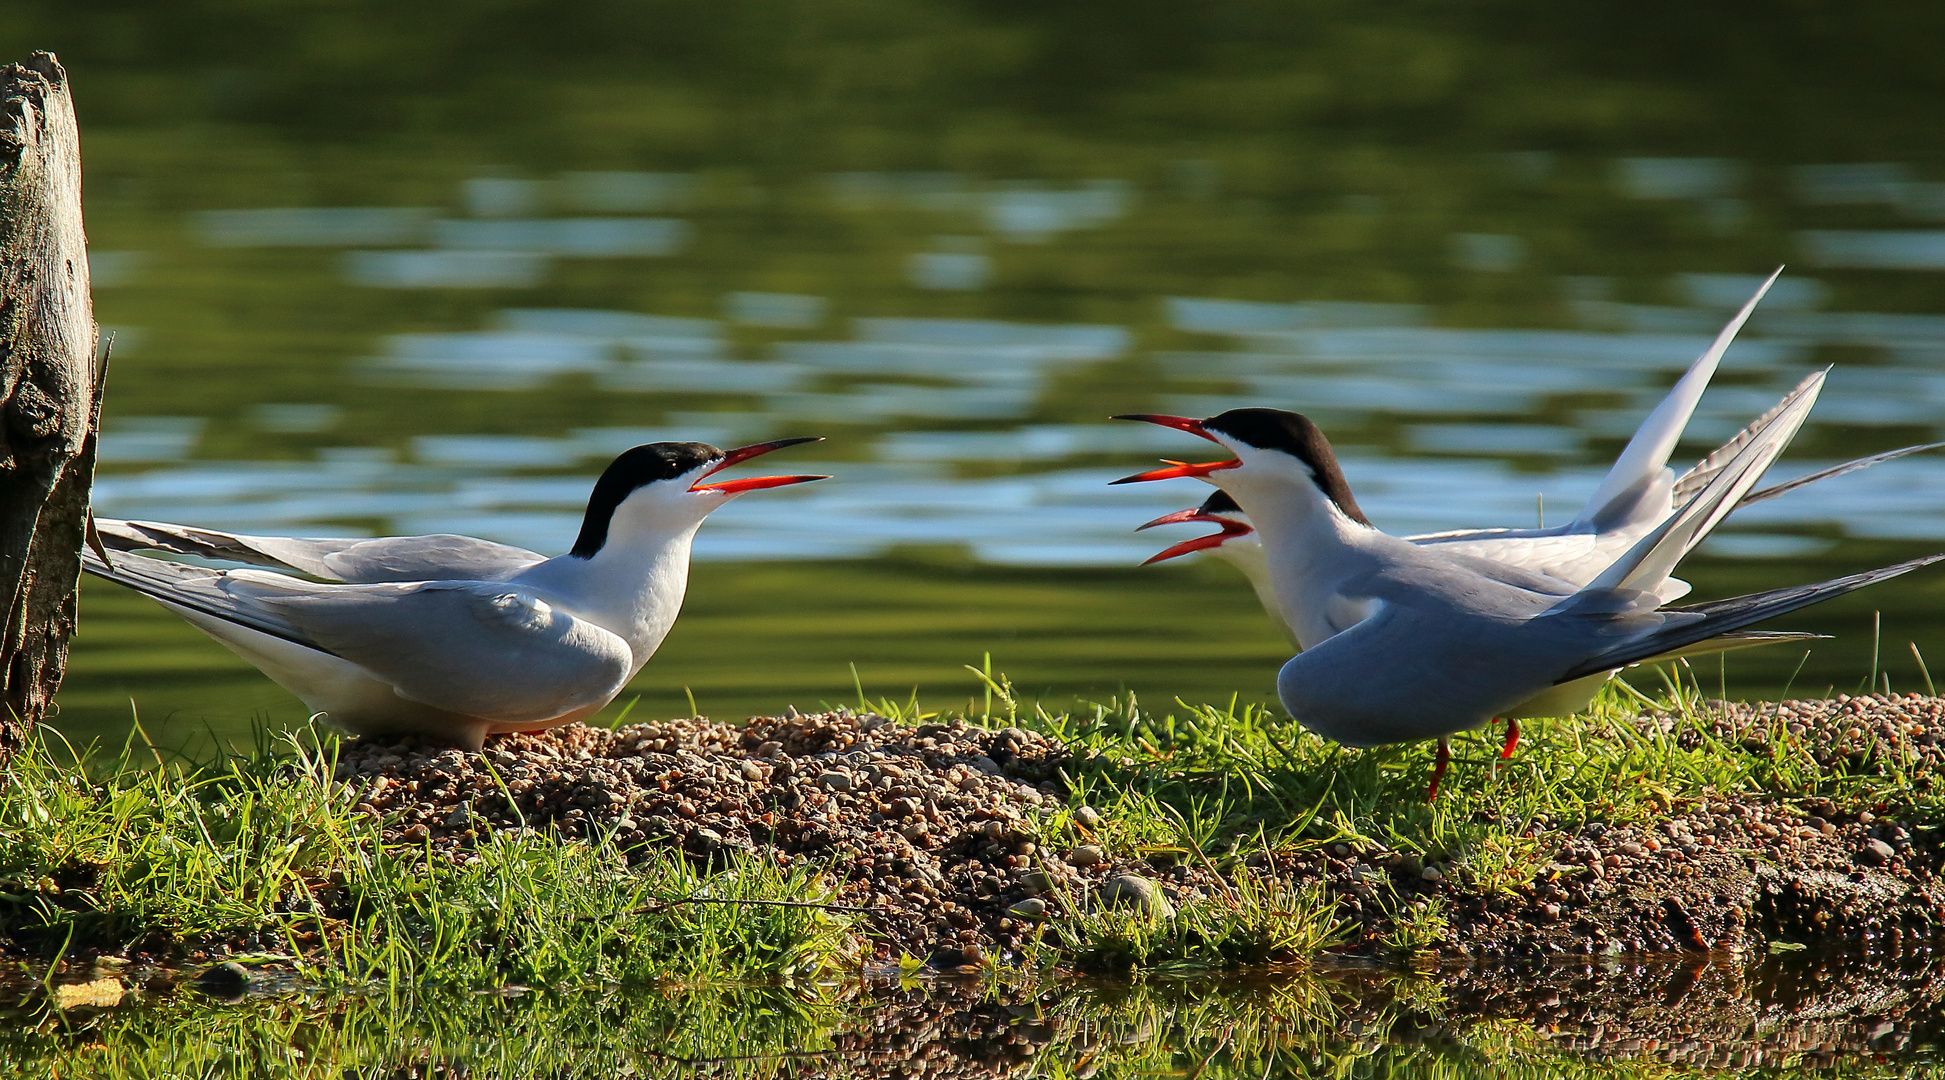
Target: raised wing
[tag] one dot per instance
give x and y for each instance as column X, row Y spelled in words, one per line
column 477, row 648
column 1646, row 455
column 355, row 560
column 1647, row 564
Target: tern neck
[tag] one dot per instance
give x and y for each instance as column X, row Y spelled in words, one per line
column 633, row 586
column 1310, row 549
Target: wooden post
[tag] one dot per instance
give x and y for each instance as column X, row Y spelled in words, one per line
column 49, row 387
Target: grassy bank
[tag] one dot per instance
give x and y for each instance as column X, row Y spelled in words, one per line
column 1275, row 843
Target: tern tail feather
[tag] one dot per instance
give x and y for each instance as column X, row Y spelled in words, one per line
column 1720, row 617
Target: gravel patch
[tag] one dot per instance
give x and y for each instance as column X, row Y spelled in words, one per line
column 942, row 827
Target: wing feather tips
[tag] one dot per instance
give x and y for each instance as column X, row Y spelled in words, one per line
column 175, row 584
column 1722, row 616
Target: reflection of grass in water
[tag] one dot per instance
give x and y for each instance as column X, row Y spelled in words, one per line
column 1330, row 1025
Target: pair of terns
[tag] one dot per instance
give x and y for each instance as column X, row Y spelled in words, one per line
column 457, row 638
column 1421, row 637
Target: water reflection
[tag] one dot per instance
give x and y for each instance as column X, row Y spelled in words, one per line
column 1795, row 1018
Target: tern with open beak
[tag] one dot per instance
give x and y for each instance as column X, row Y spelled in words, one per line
column 1406, row 641
column 451, row 637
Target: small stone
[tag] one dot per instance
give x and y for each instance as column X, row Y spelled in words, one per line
column 416, row 834
column 1876, row 853
column 835, row 781
column 224, row 981
column 1036, row 882
column 1031, row 908
column 1088, row 816
column 1432, row 873
column 460, row 815
column 751, row 771
column 1138, row 892
column 1086, row 855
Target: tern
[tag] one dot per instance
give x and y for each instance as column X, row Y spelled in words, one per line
column 1407, row 641
column 451, row 637
column 1638, row 493
column 1237, row 544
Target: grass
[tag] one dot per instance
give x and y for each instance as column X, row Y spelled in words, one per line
column 262, row 854
column 257, row 856
column 261, row 851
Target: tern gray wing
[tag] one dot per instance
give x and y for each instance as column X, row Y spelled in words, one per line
column 354, row 560
column 485, row 649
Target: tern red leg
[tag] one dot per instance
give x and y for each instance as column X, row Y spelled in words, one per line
column 1512, row 738
column 1439, row 766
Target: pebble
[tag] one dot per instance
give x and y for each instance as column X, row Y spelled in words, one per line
column 1086, row 855
column 1031, row 908
column 1876, row 852
column 1133, row 890
column 835, row 781
column 1088, row 816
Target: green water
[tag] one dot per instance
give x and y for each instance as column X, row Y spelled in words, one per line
column 1270, row 152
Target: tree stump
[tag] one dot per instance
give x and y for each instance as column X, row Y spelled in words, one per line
column 49, row 387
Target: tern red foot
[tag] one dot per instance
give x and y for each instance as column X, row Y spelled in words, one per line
column 1439, row 766
column 1512, row 739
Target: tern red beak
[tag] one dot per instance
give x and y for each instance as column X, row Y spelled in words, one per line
column 1179, row 423
column 1176, row 468
column 1230, row 530
column 1182, row 517
column 745, row 453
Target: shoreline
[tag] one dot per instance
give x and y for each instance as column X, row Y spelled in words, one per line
column 959, row 845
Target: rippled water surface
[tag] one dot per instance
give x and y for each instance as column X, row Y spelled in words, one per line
column 368, row 275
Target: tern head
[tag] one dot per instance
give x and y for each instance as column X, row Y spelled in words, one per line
column 1269, row 447
column 1219, row 510
column 658, row 489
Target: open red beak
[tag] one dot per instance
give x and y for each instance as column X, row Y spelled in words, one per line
column 754, row 483
column 1230, row 530
column 1176, row 468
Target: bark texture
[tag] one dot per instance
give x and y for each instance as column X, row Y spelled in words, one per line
column 49, row 387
